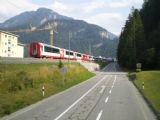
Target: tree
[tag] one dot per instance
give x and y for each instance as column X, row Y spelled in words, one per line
column 139, row 37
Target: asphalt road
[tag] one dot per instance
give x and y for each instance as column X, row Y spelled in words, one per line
column 107, row 96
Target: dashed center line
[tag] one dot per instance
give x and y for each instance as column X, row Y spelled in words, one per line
column 64, row 112
column 112, row 86
column 103, row 87
column 99, row 115
column 106, row 99
column 110, row 91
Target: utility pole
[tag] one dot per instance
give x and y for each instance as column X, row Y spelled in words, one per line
column 51, row 37
column 69, row 47
column 90, row 51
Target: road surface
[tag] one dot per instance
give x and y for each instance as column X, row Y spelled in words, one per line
column 107, row 96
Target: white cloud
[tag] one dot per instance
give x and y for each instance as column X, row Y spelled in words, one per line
column 60, row 7
column 9, row 8
column 92, row 6
column 94, row 11
column 123, row 3
column 110, row 21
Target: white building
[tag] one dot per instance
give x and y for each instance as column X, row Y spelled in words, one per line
column 9, row 46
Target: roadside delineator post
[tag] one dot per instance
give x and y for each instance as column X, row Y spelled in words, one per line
column 43, row 91
column 143, row 85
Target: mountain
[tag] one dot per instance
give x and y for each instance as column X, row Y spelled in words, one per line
column 83, row 37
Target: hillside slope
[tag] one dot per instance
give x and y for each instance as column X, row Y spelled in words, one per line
column 82, row 34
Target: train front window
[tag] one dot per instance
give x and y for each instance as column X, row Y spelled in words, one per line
column 34, row 49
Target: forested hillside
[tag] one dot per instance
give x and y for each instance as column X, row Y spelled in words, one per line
column 140, row 37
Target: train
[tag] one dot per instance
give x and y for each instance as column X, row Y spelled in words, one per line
column 42, row 50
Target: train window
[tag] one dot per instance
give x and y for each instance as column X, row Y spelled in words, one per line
column 54, row 50
column 47, row 49
column 51, row 50
column 78, row 55
column 69, row 53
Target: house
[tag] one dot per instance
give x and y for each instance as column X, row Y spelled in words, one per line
column 9, row 46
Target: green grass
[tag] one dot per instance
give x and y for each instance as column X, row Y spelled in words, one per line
column 151, row 91
column 21, row 84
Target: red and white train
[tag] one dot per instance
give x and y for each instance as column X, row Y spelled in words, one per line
column 41, row 50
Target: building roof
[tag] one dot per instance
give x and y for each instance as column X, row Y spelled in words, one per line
column 20, row 44
column 6, row 32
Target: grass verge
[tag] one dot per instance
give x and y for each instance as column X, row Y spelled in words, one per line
column 21, row 84
column 102, row 64
column 151, row 89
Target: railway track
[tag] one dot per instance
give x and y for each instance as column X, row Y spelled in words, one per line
column 30, row 60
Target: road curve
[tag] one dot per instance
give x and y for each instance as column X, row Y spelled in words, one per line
column 107, row 96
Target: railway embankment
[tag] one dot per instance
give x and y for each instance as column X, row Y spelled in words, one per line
column 90, row 66
column 94, row 66
column 25, row 84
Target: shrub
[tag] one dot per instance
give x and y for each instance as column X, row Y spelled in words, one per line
column 60, row 65
column 7, row 109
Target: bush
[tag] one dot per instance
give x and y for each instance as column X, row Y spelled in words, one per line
column 60, row 65
column 19, row 104
column 24, row 80
column 7, row 109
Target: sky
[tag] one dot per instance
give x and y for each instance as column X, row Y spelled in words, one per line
column 109, row 14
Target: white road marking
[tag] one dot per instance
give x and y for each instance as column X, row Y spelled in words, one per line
column 99, row 115
column 112, row 86
column 103, row 87
column 115, row 78
column 106, row 99
column 110, row 91
column 79, row 99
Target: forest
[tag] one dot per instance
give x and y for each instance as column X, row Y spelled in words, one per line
column 140, row 37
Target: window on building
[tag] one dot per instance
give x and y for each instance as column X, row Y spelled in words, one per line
column 9, row 49
column 5, row 43
column 5, row 36
column 9, row 42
